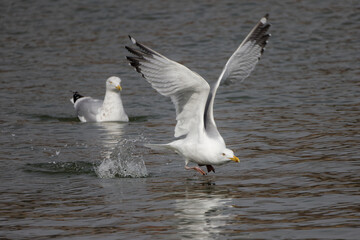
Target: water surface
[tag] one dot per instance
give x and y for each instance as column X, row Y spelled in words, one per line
column 294, row 123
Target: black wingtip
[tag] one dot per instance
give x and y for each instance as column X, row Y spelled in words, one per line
column 259, row 33
column 76, row 96
column 142, row 54
column 262, row 41
column 132, row 39
column 134, row 62
column 135, row 52
column 264, row 20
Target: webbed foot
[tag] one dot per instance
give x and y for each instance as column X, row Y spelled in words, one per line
column 196, row 169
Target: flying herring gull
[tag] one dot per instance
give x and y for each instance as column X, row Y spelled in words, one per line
column 110, row 109
column 194, row 99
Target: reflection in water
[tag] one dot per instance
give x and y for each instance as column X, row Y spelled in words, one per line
column 120, row 158
column 202, row 215
column 111, row 135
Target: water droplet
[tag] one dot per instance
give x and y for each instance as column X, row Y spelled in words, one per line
column 123, row 162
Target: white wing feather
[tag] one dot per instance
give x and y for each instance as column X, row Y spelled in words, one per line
column 239, row 66
column 87, row 108
column 187, row 89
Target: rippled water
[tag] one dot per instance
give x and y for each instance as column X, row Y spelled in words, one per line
column 294, row 123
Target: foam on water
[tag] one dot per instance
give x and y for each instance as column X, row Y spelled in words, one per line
column 123, row 161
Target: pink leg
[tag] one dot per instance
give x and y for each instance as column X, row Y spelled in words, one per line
column 210, row 168
column 195, row 168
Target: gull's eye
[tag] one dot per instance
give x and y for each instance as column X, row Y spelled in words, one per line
column 223, row 154
column 110, row 82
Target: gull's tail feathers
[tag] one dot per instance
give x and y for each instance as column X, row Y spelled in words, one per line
column 160, row 147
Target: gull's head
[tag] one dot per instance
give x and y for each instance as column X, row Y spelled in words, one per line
column 113, row 84
column 228, row 155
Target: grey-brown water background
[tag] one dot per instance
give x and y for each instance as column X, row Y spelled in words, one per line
column 294, row 123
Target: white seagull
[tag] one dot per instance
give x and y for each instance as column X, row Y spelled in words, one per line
column 110, row 109
column 194, row 99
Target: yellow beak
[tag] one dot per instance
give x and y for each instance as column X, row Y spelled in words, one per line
column 235, row 159
column 118, row 87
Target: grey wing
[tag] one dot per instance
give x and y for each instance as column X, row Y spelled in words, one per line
column 247, row 55
column 87, row 108
column 187, row 89
column 239, row 66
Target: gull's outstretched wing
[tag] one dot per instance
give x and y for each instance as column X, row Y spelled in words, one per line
column 239, row 66
column 187, row 89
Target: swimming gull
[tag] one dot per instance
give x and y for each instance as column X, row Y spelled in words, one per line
column 111, row 108
column 194, row 99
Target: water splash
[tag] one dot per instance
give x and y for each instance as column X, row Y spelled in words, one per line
column 123, row 161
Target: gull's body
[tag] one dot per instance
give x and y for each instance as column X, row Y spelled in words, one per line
column 193, row 98
column 110, row 109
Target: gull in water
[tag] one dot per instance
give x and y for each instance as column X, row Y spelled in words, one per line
column 194, row 99
column 110, row 109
